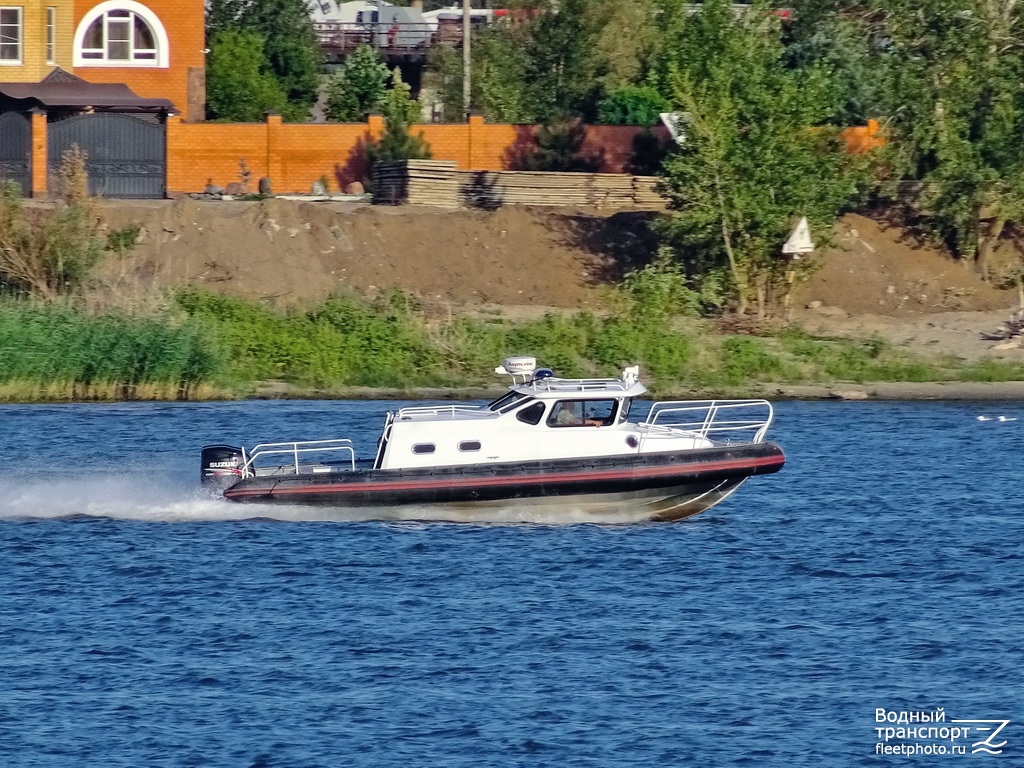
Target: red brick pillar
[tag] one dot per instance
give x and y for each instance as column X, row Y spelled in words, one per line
column 38, row 164
column 275, row 168
column 375, row 126
column 175, row 157
column 474, row 141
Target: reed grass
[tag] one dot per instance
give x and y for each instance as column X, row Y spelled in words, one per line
column 212, row 347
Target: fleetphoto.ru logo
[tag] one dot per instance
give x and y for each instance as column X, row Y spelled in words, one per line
column 932, row 733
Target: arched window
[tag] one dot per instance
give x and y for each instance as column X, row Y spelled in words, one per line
column 121, row 33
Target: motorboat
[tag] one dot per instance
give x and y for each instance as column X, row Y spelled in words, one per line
column 561, row 447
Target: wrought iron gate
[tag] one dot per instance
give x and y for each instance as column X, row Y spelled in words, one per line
column 16, row 150
column 125, row 156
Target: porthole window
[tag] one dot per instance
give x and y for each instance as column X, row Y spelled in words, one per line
column 121, row 33
column 469, row 445
column 423, row 448
column 531, row 414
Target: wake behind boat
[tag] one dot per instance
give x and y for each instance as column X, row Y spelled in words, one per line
column 557, row 447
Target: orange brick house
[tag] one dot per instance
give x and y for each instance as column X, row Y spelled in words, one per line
column 155, row 47
column 102, row 75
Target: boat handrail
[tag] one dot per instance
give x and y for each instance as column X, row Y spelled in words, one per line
column 436, row 410
column 577, row 385
column 711, row 418
column 294, row 449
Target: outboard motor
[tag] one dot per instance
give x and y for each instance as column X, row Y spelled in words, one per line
column 220, row 466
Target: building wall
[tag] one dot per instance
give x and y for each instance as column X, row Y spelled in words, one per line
column 34, row 66
column 184, row 22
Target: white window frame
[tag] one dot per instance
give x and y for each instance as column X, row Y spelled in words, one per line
column 162, row 60
column 21, row 36
column 51, row 34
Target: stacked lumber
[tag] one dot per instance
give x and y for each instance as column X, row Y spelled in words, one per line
column 645, row 195
column 490, row 189
column 416, row 182
column 437, row 183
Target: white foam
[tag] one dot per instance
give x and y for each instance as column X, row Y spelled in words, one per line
column 143, row 498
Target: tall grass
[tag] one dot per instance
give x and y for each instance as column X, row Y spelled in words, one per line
column 208, row 345
column 83, row 356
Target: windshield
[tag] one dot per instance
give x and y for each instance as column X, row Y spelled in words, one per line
column 506, row 401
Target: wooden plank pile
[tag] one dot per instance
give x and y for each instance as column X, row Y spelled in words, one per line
column 438, row 183
column 489, row 189
column 645, row 195
column 416, row 182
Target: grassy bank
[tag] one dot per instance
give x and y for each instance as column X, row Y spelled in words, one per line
column 206, row 346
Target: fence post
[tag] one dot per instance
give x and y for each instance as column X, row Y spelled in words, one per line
column 476, row 123
column 39, row 159
column 275, row 168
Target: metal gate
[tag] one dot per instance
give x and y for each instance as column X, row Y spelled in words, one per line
column 16, row 150
column 125, row 156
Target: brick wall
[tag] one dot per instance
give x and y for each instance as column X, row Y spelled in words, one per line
column 183, row 22
column 34, row 65
column 296, row 155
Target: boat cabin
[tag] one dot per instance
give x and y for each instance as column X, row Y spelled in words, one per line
column 540, row 418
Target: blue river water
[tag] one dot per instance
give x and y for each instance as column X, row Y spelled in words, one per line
column 142, row 624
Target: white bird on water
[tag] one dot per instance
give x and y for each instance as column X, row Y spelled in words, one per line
column 984, row 418
column 1007, row 418
column 997, row 418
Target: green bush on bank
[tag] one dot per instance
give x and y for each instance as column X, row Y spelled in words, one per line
column 57, row 343
column 230, row 344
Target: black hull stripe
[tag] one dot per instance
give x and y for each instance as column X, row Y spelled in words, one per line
column 691, row 471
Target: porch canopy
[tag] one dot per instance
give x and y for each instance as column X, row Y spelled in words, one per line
column 62, row 91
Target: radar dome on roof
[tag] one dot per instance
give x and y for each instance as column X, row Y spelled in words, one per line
column 519, row 365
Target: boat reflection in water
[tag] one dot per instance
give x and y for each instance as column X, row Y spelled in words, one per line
column 554, row 448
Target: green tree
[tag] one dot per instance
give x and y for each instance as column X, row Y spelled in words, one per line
column 289, row 42
column 49, row 251
column 756, row 156
column 957, row 123
column 239, row 86
column 559, row 147
column 400, row 111
column 632, row 105
column 560, row 76
column 357, row 88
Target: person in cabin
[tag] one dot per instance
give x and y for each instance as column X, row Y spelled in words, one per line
column 565, row 416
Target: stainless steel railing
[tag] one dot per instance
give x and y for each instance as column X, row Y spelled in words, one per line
column 296, row 449
column 729, row 421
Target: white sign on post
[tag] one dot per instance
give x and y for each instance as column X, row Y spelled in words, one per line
column 799, row 239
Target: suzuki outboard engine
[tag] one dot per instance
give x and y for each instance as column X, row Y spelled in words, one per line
column 220, row 466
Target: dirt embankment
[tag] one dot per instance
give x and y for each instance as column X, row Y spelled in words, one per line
column 875, row 280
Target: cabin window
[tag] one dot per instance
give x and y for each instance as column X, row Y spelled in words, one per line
column 121, row 33
column 506, row 401
column 10, row 35
column 423, row 448
column 582, row 413
column 531, row 414
column 469, row 445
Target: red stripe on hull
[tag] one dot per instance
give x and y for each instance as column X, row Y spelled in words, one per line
column 638, row 473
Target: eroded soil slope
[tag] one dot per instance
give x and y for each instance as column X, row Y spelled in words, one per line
column 874, row 280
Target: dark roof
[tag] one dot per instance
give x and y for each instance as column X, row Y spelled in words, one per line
column 61, row 89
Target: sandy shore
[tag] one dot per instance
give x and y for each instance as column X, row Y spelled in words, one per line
column 954, row 390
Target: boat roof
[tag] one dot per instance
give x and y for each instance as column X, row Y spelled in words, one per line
column 552, row 387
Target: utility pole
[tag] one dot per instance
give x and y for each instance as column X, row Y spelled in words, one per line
column 467, row 60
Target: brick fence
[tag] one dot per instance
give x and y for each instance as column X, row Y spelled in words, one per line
column 294, row 156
